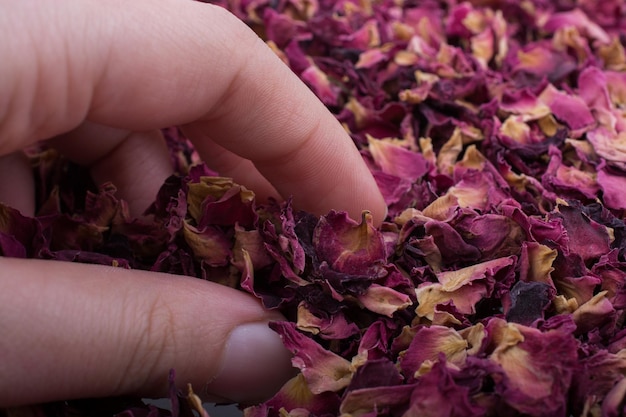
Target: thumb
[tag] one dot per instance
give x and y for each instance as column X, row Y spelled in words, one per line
column 101, row 331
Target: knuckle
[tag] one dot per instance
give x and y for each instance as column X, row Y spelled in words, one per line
column 152, row 350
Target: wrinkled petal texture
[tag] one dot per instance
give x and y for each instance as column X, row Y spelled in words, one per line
column 496, row 133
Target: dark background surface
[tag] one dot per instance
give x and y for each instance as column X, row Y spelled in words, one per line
column 213, row 410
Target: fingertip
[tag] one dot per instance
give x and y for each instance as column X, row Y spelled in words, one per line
column 255, row 364
column 232, row 354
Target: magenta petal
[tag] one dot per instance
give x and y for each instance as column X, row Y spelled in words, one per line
column 322, row 369
column 427, row 344
column 539, row 366
column 347, row 246
column 613, row 185
column 570, row 109
column 294, row 397
column 585, row 237
column 384, row 300
column 397, row 160
column 578, row 19
column 437, row 390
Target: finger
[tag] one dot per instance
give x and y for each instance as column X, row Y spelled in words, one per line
column 232, row 165
column 137, row 163
column 174, row 63
column 17, row 187
column 102, row 331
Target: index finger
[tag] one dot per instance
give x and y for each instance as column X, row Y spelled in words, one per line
column 270, row 117
column 145, row 64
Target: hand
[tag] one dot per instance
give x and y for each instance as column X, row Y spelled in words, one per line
column 101, row 78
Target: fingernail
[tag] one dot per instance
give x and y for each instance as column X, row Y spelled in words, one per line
column 255, row 365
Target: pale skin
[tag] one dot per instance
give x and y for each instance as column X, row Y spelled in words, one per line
column 98, row 79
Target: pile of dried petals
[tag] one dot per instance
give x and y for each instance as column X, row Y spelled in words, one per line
column 496, row 130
